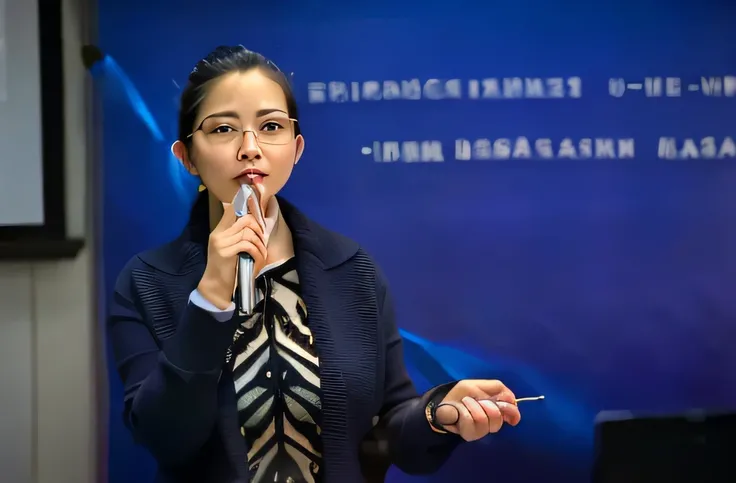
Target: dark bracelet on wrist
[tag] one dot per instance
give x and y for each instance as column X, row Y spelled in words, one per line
column 431, row 413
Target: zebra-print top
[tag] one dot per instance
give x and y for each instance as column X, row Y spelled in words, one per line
column 276, row 375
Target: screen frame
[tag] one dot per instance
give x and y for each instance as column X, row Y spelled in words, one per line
column 52, row 133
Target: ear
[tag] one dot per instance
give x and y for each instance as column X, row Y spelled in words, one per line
column 179, row 150
column 299, row 148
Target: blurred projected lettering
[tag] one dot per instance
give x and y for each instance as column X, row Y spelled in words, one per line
column 525, row 88
column 500, row 149
column 673, row 87
column 405, row 151
column 708, row 147
column 543, row 148
column 443, row 89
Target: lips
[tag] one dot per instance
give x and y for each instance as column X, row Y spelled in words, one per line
column 251, row 176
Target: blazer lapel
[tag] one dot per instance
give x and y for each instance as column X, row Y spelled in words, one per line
column 316, row 255
column 314, row 280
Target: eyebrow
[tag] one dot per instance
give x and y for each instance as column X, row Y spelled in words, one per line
column 233, row 114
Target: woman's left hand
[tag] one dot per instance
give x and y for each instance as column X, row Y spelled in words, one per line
column 477, row 407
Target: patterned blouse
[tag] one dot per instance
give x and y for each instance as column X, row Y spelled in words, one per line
column 276, row 374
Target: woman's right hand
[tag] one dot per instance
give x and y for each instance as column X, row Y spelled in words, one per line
column 231, row 236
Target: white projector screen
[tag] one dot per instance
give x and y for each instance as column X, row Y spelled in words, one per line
column 21, row 183
column 31, row 121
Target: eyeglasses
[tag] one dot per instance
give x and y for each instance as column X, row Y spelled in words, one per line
column 274, row 131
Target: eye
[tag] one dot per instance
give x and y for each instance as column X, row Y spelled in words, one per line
column 223, row 129
column 271, row 126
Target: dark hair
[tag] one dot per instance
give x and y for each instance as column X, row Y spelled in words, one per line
column 221, row 61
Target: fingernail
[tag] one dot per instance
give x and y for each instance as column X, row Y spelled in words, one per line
column 467, row 399
column 489, row 404
column 503, row 405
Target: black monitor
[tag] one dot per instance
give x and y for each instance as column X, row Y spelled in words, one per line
column 695, row 447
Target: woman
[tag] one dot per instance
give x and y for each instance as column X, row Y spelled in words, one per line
column 311, row 386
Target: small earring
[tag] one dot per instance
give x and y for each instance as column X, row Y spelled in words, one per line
column 201, row 188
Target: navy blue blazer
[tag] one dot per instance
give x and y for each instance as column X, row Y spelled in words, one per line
column 180, row 403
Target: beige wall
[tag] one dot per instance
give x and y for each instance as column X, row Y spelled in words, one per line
column 48, row 322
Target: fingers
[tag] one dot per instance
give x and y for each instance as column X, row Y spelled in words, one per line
column 250, row 238
column 447, row 414
column 472, row 419
column 243, row 223
column 247, row 241
column 493, row 413
column 228, row 217
column 244, row 234
column 231, row 221
column 505, row 399
column 510, row 413
column 244, row 246
column 254, row 208
column 491, row 388
column 479, row 419
column 506, row 396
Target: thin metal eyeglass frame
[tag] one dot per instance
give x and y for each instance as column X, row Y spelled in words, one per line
column 255, row 133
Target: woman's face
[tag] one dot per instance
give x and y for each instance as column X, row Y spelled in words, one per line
column 244, row 136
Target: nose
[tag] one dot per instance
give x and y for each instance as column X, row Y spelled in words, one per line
column 249, row 149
